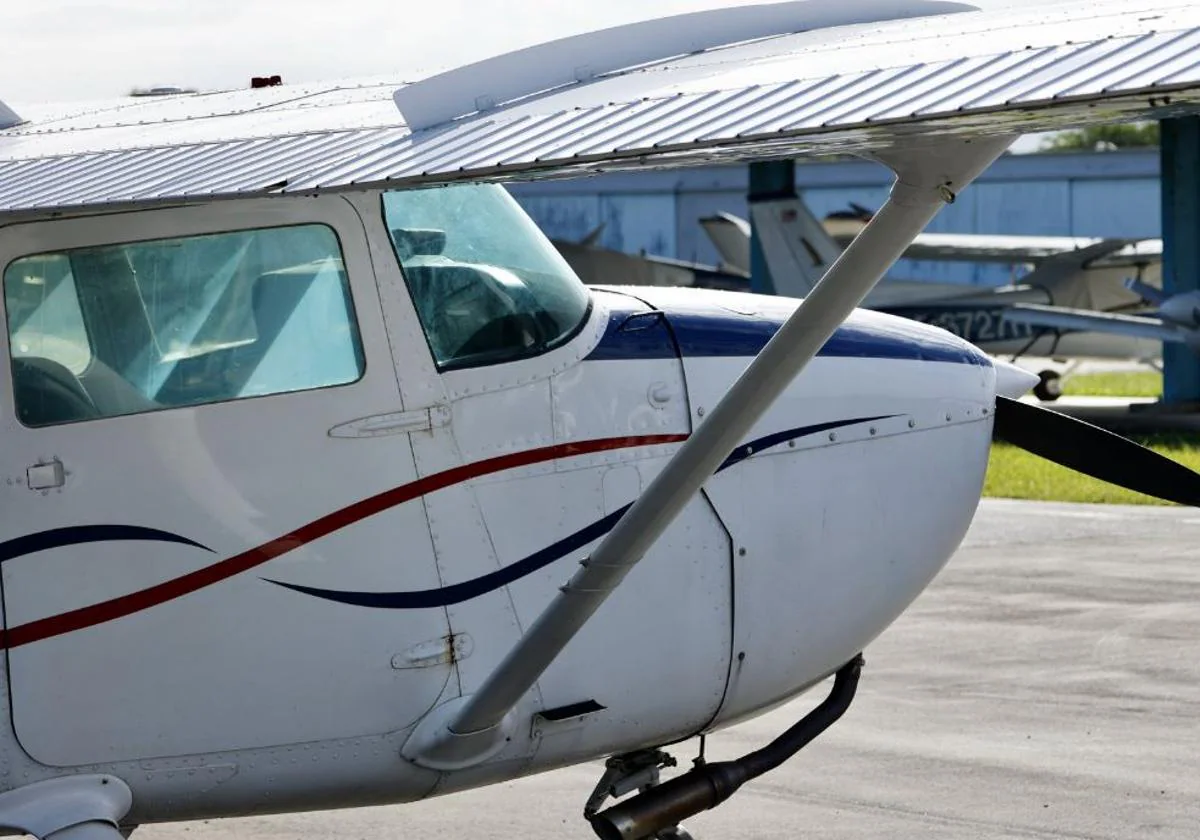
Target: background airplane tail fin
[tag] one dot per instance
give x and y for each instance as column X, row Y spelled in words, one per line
column 797, row 248
column 731, row 237
column 8, row 117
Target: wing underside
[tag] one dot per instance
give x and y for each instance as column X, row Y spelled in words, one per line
column 858, row 88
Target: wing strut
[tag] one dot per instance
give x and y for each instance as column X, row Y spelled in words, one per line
column 471, row 729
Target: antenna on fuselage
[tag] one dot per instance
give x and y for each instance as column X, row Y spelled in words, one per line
column 8, row 117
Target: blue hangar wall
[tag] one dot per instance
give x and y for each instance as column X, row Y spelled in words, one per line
column 1061, row 194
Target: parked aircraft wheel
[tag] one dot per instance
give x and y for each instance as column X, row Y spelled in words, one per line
column 1049, row 387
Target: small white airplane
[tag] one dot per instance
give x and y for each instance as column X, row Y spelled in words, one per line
column 328, row 486
column 1107, row 278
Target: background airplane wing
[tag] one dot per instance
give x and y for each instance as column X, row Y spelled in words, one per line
column 1081, row 320
column 973, row 247
column 1140, row 253
column 731, row 236
column 847, row 79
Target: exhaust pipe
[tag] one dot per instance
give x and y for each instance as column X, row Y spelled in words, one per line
column 707, row 786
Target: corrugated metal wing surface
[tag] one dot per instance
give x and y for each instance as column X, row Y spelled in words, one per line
column 769, row 99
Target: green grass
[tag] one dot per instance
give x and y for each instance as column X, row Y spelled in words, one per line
column 1014, row 473
column 1114, row 384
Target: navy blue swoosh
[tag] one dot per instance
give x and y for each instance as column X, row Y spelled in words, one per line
column 81, row 534
column 465, row 591
column 718, row 334
column 459, row 592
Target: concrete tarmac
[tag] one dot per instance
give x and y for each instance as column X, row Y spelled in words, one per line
column 1047, row 685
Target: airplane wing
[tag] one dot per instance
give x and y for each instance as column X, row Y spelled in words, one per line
column 1136, row 254
column 996, row 248
column 974, row 247
column 1084, row 320
column 971, row 247
column 782, row 80
column 983, row 247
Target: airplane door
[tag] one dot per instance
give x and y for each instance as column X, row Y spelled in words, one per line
column 560, row 405
column 612, row 407
column 203, row 427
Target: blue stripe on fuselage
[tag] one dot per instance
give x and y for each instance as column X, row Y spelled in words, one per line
column 638, row 332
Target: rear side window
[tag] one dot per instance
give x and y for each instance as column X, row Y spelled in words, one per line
column 142, row 326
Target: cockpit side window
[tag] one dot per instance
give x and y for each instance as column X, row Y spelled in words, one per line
column 487, row 285
column 133, row 327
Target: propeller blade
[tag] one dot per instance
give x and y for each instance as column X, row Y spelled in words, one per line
column 1094, row 451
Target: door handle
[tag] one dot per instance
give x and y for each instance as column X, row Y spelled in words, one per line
column 45, row 476
column 401, row 422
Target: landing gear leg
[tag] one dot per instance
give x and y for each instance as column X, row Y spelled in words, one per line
column 634, row 771
column 624, row 773
column 659, row 808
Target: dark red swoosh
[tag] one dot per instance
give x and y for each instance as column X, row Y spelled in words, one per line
column 94, row 614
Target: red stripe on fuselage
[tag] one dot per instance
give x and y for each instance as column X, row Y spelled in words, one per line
column 89, row 616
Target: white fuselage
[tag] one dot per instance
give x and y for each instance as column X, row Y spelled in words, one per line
column 246, row 606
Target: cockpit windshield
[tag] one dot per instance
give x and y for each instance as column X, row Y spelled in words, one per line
column 487, row 284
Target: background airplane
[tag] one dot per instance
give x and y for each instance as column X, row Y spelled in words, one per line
column 1068, row 274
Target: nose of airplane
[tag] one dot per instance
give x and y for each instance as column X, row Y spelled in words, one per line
column 1012, row 381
